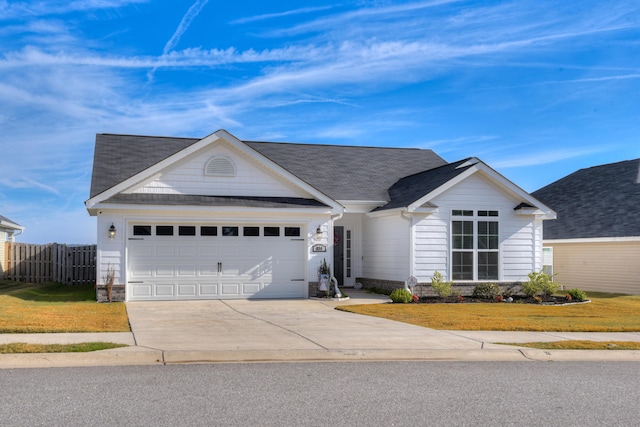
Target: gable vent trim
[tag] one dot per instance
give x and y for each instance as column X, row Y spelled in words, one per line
column 220, row 166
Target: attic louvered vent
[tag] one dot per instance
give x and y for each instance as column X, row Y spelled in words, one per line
column 220, row 166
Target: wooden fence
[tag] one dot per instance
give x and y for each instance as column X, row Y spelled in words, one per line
column 53, row 262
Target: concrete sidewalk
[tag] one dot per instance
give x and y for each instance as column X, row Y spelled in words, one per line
column 294, row 330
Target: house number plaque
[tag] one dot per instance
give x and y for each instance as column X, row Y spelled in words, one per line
column 319, row 248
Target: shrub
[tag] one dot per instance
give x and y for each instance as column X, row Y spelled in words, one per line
column 577, row 294
column 401, row 295
column 442, row 288
column 539, row 283
column 487, row 291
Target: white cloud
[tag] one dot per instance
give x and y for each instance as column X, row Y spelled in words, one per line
column 280, row 14
column 544, row 158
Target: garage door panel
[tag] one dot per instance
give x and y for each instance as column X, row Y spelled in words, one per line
column 187, row 271
column 142, row 290
column 209, row 289
column 190, row 251
column 229, row 289
column 250, row 288
column 212, row 267
column 165, row 250
column 187, row 290
column 165, row 271
column 142, row 270
column 164, row 290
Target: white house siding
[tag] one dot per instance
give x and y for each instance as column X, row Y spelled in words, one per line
column 188, row 177
column 598, row 266
column 432, row 246
column 520, row 236
column 385, row 248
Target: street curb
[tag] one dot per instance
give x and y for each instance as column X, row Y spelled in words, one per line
column 113, row 357
column 180, row 356
column 131, row 356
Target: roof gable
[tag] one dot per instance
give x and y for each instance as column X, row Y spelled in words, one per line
column 415, row 191
column 220, row 170
column 153, row 171
column 601, row 201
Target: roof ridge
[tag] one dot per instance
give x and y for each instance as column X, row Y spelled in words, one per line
column 336, row 145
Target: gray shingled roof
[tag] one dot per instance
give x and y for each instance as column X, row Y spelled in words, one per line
column 601, row 201
column 340, row 172
column 411, row 188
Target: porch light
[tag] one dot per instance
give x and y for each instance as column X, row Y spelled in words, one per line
column 318, row 236
column 112, row 232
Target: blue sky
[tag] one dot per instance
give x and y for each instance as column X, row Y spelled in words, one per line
column 537, row 89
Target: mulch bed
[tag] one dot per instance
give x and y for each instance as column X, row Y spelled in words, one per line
column 516, row 299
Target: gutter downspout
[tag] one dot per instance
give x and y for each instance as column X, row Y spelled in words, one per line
column 14, row 234
column 411, row 246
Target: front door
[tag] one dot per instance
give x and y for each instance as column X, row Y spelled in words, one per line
column 342, row 255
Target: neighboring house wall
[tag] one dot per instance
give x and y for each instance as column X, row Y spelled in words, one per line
column 3, row 239
column 385, row 248
column 597, row 264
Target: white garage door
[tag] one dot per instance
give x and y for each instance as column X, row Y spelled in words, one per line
column 171, row 262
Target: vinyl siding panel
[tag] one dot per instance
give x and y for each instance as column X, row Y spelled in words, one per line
column 385, row 243
column 188, row 177
column 598, row 266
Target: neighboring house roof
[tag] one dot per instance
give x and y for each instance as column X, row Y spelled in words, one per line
column 8, row 225
column 601, row 201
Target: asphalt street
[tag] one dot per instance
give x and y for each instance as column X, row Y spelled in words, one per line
column 326, row 394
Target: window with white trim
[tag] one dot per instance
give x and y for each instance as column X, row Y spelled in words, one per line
column 475, row 251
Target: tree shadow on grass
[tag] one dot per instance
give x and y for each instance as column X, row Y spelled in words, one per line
column 47, row 292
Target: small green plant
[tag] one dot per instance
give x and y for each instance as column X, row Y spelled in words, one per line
column 401, row 295
column 442, row 288
column 577, row 294
column 539, row 284
column 324, row 267
column 487, row 291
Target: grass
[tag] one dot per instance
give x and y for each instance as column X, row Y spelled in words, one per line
column 52, row 307
column 605, row 313
column 57, row 348
column 580, row 345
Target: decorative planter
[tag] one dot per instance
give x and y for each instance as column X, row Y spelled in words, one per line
column 323, row 282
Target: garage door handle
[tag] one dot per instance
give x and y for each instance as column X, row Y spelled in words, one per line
column 297, row 280
column 219, row 267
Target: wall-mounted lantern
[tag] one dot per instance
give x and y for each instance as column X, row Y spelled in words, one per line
column 112, row 232
column 318, row 235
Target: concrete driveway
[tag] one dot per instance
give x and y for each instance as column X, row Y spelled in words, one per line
column 280, row 330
